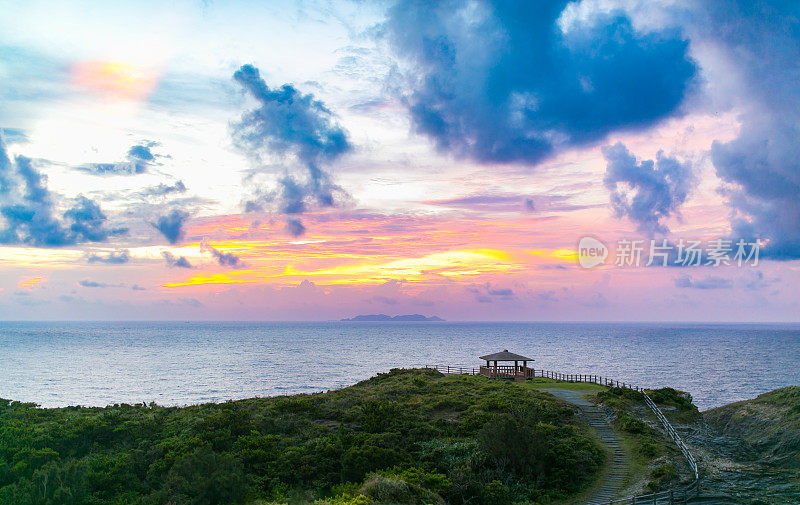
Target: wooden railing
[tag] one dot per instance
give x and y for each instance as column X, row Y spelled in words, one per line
column 672, row 496
column 506, row 371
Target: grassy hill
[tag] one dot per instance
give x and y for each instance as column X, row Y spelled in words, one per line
column 408, row 436
column 770, row 424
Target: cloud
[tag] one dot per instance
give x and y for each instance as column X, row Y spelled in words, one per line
column 30, row 78
column 507, row 82
column 289, row 123
column 86, row 283
column 761, row 41
column 138, row 160
column 710, row 282
column 117, row 257
column 137, row 287
column 504, row 202
column 29, row 211
column 163, row 189
column 648, row 191
column 171, row 225
column 223, row 258
column 13, row 135
column 595, row 300
column 295, row 227
column 174, row 261
column 383, row 299
column 486, row 293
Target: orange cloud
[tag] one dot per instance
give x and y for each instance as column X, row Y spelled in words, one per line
column 452, row 265
column 29, row 282
column 361, row 248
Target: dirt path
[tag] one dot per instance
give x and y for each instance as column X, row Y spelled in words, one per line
column 596, row 418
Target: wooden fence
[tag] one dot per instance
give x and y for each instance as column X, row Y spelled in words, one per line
column 670, row 497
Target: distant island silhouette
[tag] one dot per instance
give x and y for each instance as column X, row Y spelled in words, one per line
column 384, row 317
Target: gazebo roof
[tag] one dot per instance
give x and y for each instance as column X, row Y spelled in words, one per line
column 505, row 356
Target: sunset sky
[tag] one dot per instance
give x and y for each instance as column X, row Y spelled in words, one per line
column 318, row 160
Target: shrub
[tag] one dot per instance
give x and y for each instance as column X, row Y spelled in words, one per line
column 377, row 416
column 357, row 462
column 648, row 447
column 630, row 424
column 681, row 400
column 205, row 478
column 496, row 492
column 664, row 471
column 388, row 489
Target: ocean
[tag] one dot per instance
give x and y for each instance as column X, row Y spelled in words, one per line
column 57, row 364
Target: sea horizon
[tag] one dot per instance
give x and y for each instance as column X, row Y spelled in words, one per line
column 469, row 321
column 57, row 364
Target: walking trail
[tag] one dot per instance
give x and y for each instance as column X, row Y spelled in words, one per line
column 596, row 418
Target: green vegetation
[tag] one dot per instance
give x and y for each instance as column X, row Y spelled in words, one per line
column 662, row 477
column 408, row 436
column 675, row 404
column 769, row 424
column 649, row 451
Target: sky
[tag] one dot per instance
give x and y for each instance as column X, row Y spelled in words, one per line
column 315, row 160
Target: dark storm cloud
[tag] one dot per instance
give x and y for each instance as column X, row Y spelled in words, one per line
column 171, row 225
column 501, row 81
column 287, row 122
column 29, row 213
column 761, row 40
column 117, row 257
column 656, row 189
column 175, row 261
column 137, row 161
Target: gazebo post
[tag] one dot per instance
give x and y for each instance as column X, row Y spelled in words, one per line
column 495, row 368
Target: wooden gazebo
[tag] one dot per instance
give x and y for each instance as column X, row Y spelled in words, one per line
column 515, row 371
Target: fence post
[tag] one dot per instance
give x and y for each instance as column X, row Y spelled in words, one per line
column 671, row 497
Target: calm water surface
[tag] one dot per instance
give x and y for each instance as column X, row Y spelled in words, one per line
column 58, row 364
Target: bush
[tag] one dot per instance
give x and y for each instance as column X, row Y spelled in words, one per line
column 664, row 471
column 205, row 478
column 630, row 424
column 680, row 400
column 389, row 489
column 377, row 416
column 357, row 462
column 496, row 492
